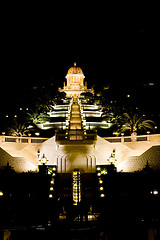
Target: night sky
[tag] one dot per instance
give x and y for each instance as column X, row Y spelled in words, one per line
column 112, row 44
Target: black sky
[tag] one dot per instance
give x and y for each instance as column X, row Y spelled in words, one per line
column 111, row 44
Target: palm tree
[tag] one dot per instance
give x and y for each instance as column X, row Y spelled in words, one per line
column 135, row 122
column 59, row 96
column 36, row 117
column 18, row 129
column 45, row 103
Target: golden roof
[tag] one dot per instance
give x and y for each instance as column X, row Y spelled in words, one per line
column 75, row 70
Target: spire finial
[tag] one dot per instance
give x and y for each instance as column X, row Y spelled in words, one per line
column 74, row 64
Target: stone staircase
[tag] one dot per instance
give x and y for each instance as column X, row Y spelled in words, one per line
column 75, row 121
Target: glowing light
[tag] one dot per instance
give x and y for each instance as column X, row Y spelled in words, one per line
column 102, row 195
column 98, row 174
column 115, row 133
column 100, row 181
column 76, row 187
column 155, row 192
column 51, row 188
column 52, row 182
column 104, row 172
column 37, row 133
column 1, row 193
column 104, row 122
column 128, row 96
column 43, row 160
column 101, row 188
column 50, row 196
column 98, row 168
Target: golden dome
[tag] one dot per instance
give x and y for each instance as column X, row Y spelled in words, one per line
column 75, row 70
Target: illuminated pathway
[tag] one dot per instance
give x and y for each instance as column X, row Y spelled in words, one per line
column 75, row 121
column 75, row 129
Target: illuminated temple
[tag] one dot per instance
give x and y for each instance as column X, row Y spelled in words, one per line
column 77, row 183
column 75, row 83
column 76, row 144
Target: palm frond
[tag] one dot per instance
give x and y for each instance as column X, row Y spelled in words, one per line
column 134, row 122
column 147, row 124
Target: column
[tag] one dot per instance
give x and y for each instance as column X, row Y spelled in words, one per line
column 57, row 165
column 65, row 164
column 61, row 163
column 87, row 162
column 91, row 163
column 94, row 162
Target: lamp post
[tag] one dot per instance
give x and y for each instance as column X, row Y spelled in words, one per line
column 122, row 137
column 112, row 158
column 43, row 159
column 43, row 168
column 3, row 136
column 148, row 132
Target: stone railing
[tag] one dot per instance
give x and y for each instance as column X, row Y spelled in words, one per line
column 29, row 140
column 127, row 139
column 79, row 135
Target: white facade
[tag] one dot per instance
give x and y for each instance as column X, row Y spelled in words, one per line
column 130, row 156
